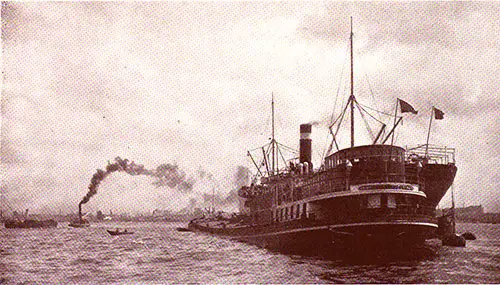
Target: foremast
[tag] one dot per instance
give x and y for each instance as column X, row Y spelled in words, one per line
column 351, row 98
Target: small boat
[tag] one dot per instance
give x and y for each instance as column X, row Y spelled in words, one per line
column 469, row 236
column 180, row 229
column 117, row 232
column 454, row 240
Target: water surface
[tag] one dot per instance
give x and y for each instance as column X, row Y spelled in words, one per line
column 157, row 253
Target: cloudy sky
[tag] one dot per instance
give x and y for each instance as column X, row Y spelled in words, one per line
column 191, row 84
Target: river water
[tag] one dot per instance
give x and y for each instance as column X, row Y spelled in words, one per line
column 157, row 253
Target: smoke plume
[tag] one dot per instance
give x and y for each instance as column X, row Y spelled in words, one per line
column 241, row 178
column 168, row 175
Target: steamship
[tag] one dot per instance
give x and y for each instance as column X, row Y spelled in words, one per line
column 23, row 222
column 375, row 196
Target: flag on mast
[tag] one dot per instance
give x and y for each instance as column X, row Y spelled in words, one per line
column 438, row 114
column 406, row 108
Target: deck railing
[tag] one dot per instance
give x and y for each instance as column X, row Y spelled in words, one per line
column 435, row 154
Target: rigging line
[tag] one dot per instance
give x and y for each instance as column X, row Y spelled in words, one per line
column 341, row 116
column 336, row 132
column 329, row 149
column 387, row 114
column 282, row 157
column 334, row 140
column 340, row 83
column 361, row 108
column 367, row 125
column 257, row 148
column 268, row 150
column 287, row 147
column 326, row 150
column 266, row 156
column 345, row 102
column 340, row 122
column 372, row 93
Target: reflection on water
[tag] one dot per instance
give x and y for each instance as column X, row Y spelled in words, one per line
column 156, row 252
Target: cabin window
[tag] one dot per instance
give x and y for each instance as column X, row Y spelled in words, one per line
column 304, row 209
column 391, row 201
column 297, row 215
column 363, row 202
column 291, row 212
column 383, row 201
column 286, row 213
column 373, row 201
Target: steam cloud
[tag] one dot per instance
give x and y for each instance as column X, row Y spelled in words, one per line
column 241, row 178
column 168, row 175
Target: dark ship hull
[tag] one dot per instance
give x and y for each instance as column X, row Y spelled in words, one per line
column 438, row 179
column 309, row 238
column 29, row 224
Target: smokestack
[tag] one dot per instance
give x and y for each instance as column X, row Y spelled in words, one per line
column 305, row 144
column 80, row 211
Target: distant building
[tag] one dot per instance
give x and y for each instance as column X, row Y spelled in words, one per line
column 474, row 214
column 470, row 213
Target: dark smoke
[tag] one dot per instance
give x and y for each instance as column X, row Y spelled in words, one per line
column 171, row 176
column 324, row 123
column 241, row 178
column 168, row 175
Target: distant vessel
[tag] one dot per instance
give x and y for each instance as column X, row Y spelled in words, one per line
column 25, row 223
column 80, row 222
column 369, row 197
column 118, row 232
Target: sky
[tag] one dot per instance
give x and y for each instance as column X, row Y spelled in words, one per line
column 190, row 84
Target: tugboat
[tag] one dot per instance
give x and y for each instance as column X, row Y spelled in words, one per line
column 376, row 197
column 25, row 223
column 81, row 222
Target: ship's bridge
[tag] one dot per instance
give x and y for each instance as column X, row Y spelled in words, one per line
column 370, row 163
column 372, row 152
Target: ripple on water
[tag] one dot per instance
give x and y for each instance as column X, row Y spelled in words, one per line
column 158, row 254
column 86, row 260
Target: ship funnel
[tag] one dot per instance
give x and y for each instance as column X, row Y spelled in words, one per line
column 305, row 144
column 80, row 211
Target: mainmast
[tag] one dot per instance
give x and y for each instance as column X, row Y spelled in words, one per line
column 272, row 140
column 352, row 89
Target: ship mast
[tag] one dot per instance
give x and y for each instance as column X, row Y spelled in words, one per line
column 272, row 140
column 351, row 98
